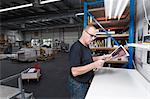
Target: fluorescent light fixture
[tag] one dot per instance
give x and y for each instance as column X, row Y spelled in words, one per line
column 106, row 5
column 26, row 5
column 48, row 1
column 118, row 7
column 16, row 7
column 123, row 8
column 110, row 8
column 79, row 14
column 114, row 8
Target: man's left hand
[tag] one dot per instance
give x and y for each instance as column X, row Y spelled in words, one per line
column 107, row 57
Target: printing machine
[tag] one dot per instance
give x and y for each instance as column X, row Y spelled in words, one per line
column 27, row 54
column 142, row 56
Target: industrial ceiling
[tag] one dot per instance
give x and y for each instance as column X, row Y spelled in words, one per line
column 50, row 15
column 47, row 15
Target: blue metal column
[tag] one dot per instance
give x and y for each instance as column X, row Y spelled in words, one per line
column 131, row 34
column 85, row 14
column 102, row 27
column 95, row 2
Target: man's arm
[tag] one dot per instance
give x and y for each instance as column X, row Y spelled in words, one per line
column 86, row 68
column 95, row 58
column 103, row 57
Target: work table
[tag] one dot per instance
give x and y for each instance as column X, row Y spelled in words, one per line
column 117, row 83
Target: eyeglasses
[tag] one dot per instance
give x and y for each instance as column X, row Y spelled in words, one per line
column 92, row 36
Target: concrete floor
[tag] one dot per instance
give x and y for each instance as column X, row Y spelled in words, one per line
column 53, row 82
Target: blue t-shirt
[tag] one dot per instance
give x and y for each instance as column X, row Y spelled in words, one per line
column 80, row 55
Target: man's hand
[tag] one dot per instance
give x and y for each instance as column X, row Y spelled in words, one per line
column 98, row 64
column 107, row 57
column 86, row 68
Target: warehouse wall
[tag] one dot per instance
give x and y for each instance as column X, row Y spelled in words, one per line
column 12, row 33
column 71, row 35
column 68, row 35
column 142, row 29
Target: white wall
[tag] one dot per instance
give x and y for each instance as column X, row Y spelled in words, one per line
column 68, row 35
column 142, row 29
column 71, row 35
column 9, row 33
column 141, row 22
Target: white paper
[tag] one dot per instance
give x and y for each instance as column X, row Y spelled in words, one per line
column 119, row 52
column 32, row 70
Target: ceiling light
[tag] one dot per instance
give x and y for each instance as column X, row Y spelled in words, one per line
column 79, row 14
column 110, row 8
column 16, row 7
column 118, row 7
column 106, row 5
column 114, row 8
column 48, row 1
column 122, row 8
column 26, row 5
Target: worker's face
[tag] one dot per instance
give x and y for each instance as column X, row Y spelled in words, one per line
column 90, row 35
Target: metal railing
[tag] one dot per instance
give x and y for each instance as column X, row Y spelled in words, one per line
column 20, row 85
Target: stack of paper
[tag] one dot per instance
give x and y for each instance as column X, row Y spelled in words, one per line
column 32, row 70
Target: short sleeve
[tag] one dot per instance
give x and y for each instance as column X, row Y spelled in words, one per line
column 75, row 56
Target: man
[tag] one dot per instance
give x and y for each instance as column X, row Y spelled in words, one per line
column 82, row 64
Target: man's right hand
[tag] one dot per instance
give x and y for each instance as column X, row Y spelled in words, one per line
column 98, row 64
